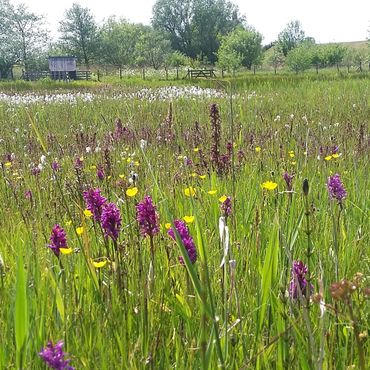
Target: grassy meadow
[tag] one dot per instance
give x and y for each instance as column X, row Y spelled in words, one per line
column 228, row 158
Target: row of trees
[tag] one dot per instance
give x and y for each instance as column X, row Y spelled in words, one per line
column 183, row 32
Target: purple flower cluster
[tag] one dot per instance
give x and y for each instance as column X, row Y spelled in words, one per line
column 111, row 221
column 226, row 207
column 53, row 356
column 55, row 166
column 57, row 239
column 147, row 217
column 186, row 239
column 298, row 279
column 100, row 173
column 94, row 203
column 288, row 180
column 336, row 188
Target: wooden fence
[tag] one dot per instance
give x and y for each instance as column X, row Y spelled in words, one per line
column 60, row 76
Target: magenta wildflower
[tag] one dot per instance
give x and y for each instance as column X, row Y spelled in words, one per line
column 288, row 180
column 35, row 171
column 336, row 188
column 186, row 239
column 111, row 221
column 57, row 239
column 298, row 279
column 226, row 207
column 79, row 163
column 55, row 166
column 53, row 356
column 147, row 217
column 94, row 202
column 100, row 173
column 28, row 194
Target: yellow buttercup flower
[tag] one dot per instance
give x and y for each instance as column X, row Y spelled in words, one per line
column 188, row 219
column 291, row 154
column 167, row 225
column 202, row 176
column 87, row 213
column 194, row 174
column 328, row 158
column 212, row 192
column 196, row 150
column 66, row 250
column 335, row 155
column 8, row 164
column 93, row 167
column 131, row 192
column 100, row 264
column 190, row 191
column 269, row 185
column 257, row 149
column 222, row 199
column 121, row 176
column 79, row 230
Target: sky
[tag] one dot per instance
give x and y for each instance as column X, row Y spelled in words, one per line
column 325, row 20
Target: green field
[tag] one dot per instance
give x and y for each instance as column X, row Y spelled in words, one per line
column 130, row 302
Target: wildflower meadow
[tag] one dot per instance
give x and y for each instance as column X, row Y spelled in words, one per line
column 194, row 226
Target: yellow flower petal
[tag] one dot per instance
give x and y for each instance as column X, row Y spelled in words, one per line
column 269, row 185
column 8, row 164
column 87, row 213
column 167, row 225
column 79, row 230
column 335, row 155
column 328, row 158
column 196, row 150
column 131, row 192
column 121, row 176
column 188, row 219
column 212, row 192
column 194, row 174
column 202, row 176
column 137, row 163
column 222, row 199
column 190, row 191
column 93, row 167
column 257, row 149
column 69, row 223
column 66, row 250
column 99, row 265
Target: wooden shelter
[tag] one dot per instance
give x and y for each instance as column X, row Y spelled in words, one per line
column 63, row 67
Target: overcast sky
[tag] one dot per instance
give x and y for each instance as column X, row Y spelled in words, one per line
column 325, row 20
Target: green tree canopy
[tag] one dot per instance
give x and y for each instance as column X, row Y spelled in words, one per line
column 79, row 33
column 195, row 26
column 241, row 47
column 22, row 36
column 290, row 37
column 118, row 42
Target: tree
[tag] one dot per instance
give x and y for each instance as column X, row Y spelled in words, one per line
column 118, row 40
column 194, row 26
column 174, row 17
column 290, row 37
column 79, row 33
column 152, row 49
column 177, row 59
column 300, row 58
column 276, row 59
column 22, row 36
column 242, row 47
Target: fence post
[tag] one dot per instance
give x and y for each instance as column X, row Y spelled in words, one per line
column 98, row 75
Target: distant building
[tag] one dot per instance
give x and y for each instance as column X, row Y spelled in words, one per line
column 63, row 67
